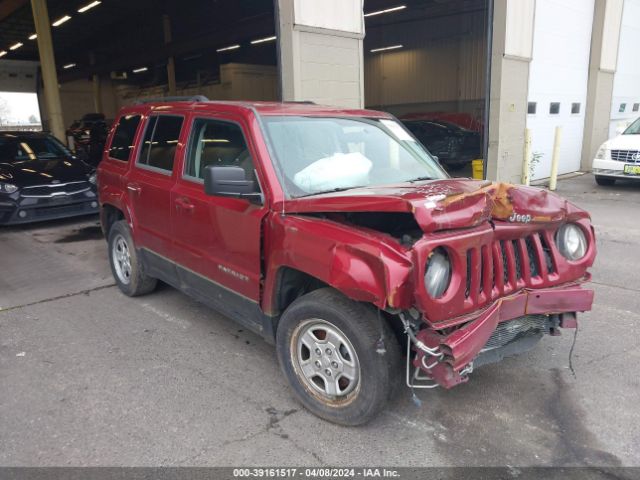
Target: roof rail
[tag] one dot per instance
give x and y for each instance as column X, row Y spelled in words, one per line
column 193, row 98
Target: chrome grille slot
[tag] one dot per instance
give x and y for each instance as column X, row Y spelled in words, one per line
column 54, row 190
column 626, row 156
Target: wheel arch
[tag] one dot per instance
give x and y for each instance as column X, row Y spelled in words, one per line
column 110, row 214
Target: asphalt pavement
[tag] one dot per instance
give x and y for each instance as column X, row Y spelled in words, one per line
column 89, row 377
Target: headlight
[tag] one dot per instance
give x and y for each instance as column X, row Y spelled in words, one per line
column 8, row 188
column 438, row 275
column 602, row 153
column 93, row 178
column 571, row 241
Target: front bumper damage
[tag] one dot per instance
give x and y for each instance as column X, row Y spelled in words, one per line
column 447, row 358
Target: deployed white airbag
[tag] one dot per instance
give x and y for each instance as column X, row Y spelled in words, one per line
column 340, row 170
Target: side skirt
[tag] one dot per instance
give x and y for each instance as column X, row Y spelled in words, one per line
column 242, row 310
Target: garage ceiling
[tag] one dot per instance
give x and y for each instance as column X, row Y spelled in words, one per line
column 126, row 34
column 417, row 10
column 122, row 35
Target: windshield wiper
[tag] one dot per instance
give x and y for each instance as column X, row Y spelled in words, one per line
column 333, row 190
column 419, row 179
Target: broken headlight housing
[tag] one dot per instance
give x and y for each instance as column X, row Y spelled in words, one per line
column 438, row 275
column 571, row 241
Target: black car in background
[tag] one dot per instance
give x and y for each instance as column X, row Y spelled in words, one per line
column 454, row 146
column 41, row 180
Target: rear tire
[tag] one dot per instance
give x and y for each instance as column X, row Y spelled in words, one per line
column 340, row 357
column 605, row 181
column 126, row 264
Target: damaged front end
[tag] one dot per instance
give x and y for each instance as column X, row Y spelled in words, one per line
column 513, row 260
column 513, row 279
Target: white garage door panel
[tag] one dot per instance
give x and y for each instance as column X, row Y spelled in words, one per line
column 18, row 76
column 626, row 83
column 559, row 73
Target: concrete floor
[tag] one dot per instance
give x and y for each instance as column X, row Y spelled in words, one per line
column 91, row 377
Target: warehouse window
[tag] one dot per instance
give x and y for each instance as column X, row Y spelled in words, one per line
column 122, row 142
column 575, row 108
column 623, row 107
column 636, row 107
column 531, row 108
column 554, row 108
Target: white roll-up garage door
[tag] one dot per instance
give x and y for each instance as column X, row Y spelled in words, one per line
column 558, row 81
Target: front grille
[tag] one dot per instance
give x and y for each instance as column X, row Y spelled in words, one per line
column 52, row 190
column 498, row 268
column 509, row 331
column 628, row 156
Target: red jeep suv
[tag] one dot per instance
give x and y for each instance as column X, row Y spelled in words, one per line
column 335, row 235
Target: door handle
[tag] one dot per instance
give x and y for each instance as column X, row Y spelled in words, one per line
column 134, row 187
column 184, row 204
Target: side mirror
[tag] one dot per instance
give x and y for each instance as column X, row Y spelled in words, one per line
column 229, row 182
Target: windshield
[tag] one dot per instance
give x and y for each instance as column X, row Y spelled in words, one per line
column 18, row 148
column 319, row 154
column 633, row 129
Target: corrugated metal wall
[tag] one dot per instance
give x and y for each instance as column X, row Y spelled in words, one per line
column 442, row 60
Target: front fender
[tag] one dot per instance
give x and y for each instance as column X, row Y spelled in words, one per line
column 364, row 265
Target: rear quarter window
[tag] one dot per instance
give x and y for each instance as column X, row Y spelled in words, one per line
column 123, row 137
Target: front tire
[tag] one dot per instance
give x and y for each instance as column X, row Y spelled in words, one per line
column 605, row 181
column 340, row 357
column 126, row 264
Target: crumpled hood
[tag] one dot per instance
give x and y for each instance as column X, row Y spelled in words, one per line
column 446, row 204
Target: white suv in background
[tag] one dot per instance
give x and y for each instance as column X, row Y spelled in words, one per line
column 619, row 157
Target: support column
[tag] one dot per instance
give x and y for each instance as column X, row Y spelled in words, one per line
column 510, row 58
column 171, row 64
column 605, row 39
column 97, row 90
column 48, row 67
column 320, row 51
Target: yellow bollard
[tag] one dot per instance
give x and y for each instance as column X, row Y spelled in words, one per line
column 478, row 169
column 555, row 159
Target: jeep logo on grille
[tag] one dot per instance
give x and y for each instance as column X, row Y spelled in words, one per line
column 516, row 217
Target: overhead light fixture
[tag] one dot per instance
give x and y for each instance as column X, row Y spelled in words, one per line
column 89, row 6
column 3, row 53
column 68, row 66
column 231, row 47
column 192, row 57
column 61, row 20
column 16, row 46
column 262, row 40
column 140, row 70
column 33, row 36
column 386, row 10
column 384, row 49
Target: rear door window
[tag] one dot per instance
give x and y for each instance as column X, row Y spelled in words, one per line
column 123, row 138
column 160, row 142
